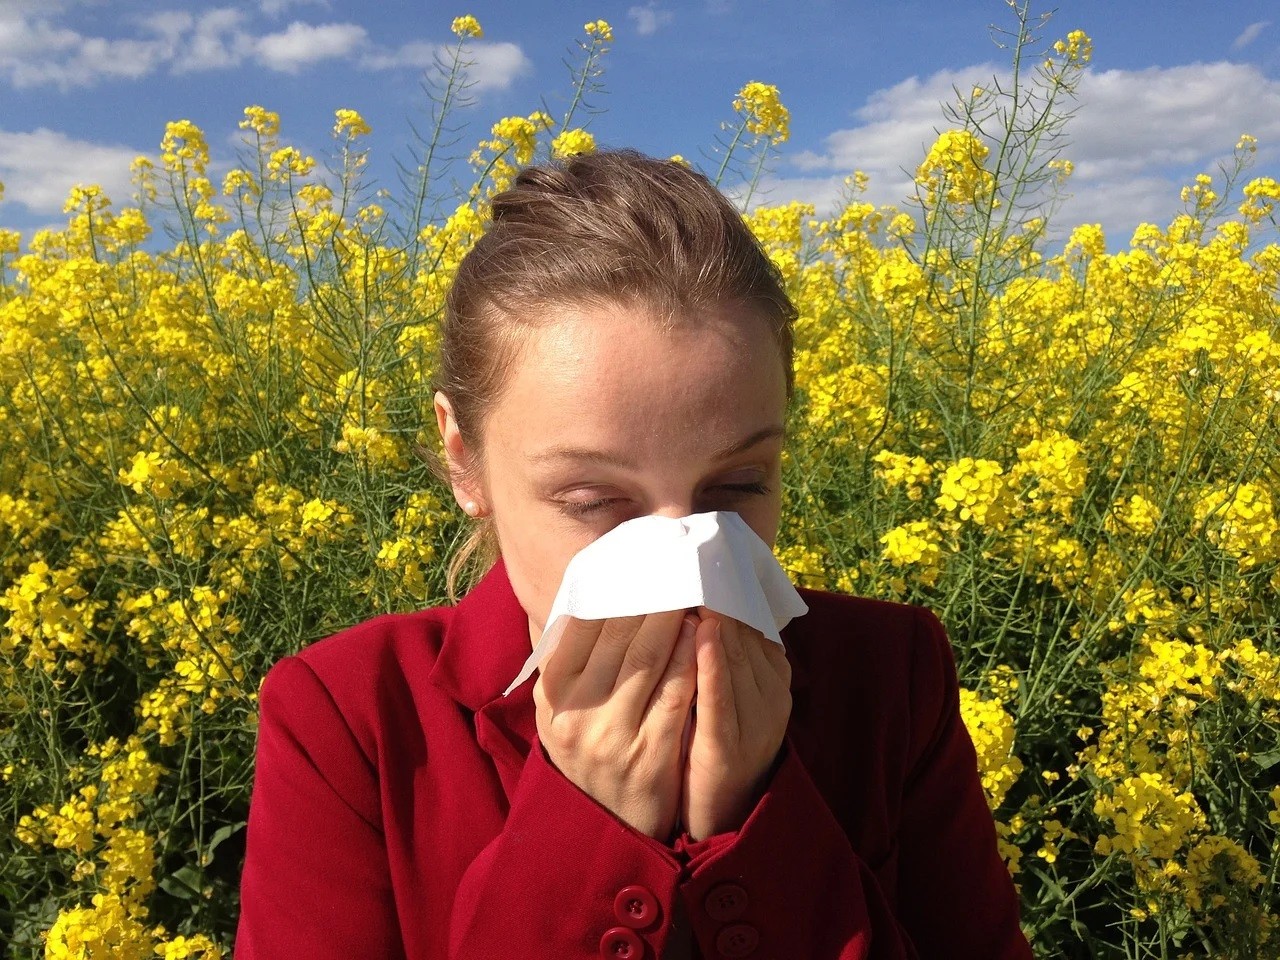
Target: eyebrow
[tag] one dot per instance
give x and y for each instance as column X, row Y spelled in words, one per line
column 604, row 458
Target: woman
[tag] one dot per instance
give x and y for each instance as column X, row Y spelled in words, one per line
column 618, row 345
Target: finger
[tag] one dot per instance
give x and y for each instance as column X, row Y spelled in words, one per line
column 717, row 710
column 764, row 662
column 605, row 660
column 645, row 660
column 779, row 664
column 570, row 656
column 734, row 639
column 668, row 711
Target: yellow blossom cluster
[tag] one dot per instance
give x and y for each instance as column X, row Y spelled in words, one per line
column 599, row 30
column 955, row 169
column 899, row 470
column 975, row 490
column 992, row 730
column 466, row 26
column 760, row 106
column 568, row 142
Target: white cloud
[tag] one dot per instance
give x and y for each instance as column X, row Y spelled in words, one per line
column 273, row 8
column 1136, row 137
column 39, row 169
column 169, row 24
column 497, row 65
column 36, row 51
column 649, row 18
column 494, row 66
column 302, row 44
column 1135, row 120
column 216, row 41
column 1249, row 34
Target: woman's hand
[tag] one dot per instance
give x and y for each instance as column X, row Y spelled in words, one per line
column 743, row 705
column 611, row 703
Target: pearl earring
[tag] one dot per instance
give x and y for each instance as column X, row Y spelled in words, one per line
column 470, row 507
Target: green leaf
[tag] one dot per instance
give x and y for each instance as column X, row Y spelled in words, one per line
column 183, row 883
column 222, row 833
column 1266, row 761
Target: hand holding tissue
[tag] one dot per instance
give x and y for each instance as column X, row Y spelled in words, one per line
column 656, row 563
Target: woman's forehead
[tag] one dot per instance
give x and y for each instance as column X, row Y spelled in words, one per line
column 599, row 376
column 602, row 339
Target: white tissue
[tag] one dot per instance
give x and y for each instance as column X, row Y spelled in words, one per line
column 656, row 563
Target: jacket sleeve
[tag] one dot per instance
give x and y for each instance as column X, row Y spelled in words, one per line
column 788, row 883
column 315, row 881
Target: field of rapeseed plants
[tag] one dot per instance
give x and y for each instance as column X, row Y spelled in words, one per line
column 209, row 408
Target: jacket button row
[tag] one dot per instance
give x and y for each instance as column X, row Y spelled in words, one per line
column 636, row 907
column 621, row 943
column 726, row 901
column 738, row 940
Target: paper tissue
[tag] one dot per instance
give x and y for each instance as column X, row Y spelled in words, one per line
column 656, row 563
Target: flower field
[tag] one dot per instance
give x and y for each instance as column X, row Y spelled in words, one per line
column 212, row 401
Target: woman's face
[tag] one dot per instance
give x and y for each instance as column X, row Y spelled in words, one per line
column 608, row 418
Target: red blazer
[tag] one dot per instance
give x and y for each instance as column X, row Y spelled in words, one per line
column 402, row 808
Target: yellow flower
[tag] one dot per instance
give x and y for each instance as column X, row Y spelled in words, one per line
column 1241, row 522
column 466, row 26
column 184, row 143
column 1077, row 48
column 915, row 544
column 349, row 125
column 991, row 728
column 954, row 167
column 287, row 162
column 1152, row 818
column 569, row 142
column 261, row 121
column 149, row 472
column 761, row 107
column 112, row 928
column 900, row 470
column 975, row 491
column 1088, row 239
column 1260, row 196
column 600, row 30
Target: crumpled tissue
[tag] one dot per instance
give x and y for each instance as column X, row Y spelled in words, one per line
column 655, row 563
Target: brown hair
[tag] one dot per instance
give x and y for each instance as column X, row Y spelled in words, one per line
column 609, row 228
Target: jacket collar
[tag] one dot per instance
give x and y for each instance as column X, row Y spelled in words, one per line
column 485, row 642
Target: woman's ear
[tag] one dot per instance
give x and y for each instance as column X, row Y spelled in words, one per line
column 457, row 456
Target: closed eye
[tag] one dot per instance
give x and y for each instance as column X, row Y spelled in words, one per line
column 586, row 507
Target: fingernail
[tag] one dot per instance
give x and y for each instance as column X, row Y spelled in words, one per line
column 687, row 628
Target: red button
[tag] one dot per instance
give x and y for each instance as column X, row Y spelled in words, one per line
column 738, row 940
column 636, row 907
column 621, row 943
column 726, row 901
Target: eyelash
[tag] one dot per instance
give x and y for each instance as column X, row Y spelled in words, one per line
column 591, row 506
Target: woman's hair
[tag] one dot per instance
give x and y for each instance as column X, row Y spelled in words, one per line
column 613, row 228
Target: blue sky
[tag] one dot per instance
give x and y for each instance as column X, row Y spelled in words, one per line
column 86, row 86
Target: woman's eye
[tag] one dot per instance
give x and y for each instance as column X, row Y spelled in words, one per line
column 756, row 487
column 582, row 508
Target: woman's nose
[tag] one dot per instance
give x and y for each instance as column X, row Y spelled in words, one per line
column 677, row 509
